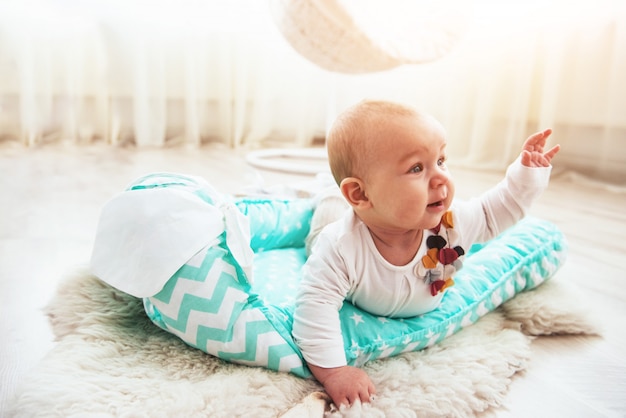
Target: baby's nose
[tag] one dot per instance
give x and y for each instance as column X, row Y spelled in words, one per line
column 440, row 178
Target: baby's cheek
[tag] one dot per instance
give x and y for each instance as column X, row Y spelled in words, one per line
column 451, row 191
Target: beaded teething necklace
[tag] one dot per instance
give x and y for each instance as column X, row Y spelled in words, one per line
column 441, row 261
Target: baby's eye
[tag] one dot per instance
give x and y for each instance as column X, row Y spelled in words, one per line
column 441, row 161
column 418, row 168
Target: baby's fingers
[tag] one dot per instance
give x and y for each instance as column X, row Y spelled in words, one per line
column 552, row 152
column 363, row 394
column 536, row 141
column 527, row 159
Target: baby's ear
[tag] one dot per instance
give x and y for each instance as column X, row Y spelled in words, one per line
column 353, row 190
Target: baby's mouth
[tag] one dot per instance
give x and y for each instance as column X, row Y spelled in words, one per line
column 436, row 204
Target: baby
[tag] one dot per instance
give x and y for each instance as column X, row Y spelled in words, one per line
column 389, row 161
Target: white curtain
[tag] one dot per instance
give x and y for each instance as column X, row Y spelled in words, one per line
column 162, row 72
column 151, row 72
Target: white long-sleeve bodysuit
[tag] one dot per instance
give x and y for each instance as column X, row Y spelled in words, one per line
column 345, row 265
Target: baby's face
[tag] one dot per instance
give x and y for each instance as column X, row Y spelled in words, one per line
column 408, row 183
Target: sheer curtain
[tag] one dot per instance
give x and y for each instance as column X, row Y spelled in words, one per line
column 187, row 71
column 152, row 73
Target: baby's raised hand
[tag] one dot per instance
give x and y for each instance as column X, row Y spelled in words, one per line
column 532, row 151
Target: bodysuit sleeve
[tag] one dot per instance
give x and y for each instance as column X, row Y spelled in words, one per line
column 324, row 287
column 499, row 208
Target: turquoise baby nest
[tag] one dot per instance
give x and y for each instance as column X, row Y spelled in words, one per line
column 210, row 304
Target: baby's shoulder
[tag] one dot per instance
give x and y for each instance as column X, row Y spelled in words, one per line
column 343, row 234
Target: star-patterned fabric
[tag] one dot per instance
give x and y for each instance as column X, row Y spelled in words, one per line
column 520, row 259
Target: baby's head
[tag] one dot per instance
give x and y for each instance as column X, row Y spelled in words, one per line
column 354, row 140
column 387, row 156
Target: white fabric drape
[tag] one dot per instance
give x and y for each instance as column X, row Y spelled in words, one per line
column 151, row 73
column 189, row 71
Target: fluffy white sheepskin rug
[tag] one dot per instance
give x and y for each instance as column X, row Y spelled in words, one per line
column 110, row 360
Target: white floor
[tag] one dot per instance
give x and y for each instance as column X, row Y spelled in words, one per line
column 51, row 198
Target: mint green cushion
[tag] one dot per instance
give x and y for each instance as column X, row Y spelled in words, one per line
column 520, row 259
column 209, row 304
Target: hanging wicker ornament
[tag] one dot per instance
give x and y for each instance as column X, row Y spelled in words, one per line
column 362, row 36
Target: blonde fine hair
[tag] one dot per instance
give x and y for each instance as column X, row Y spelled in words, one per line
column 351, row 138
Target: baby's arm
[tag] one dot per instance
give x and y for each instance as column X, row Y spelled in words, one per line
column 317, row 327
column 503, row 205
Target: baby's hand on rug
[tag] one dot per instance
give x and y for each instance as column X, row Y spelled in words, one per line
column 532, row 151
column 345, row 385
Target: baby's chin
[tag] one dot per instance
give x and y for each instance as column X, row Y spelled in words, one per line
column 434, row 225
column 437, row 221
